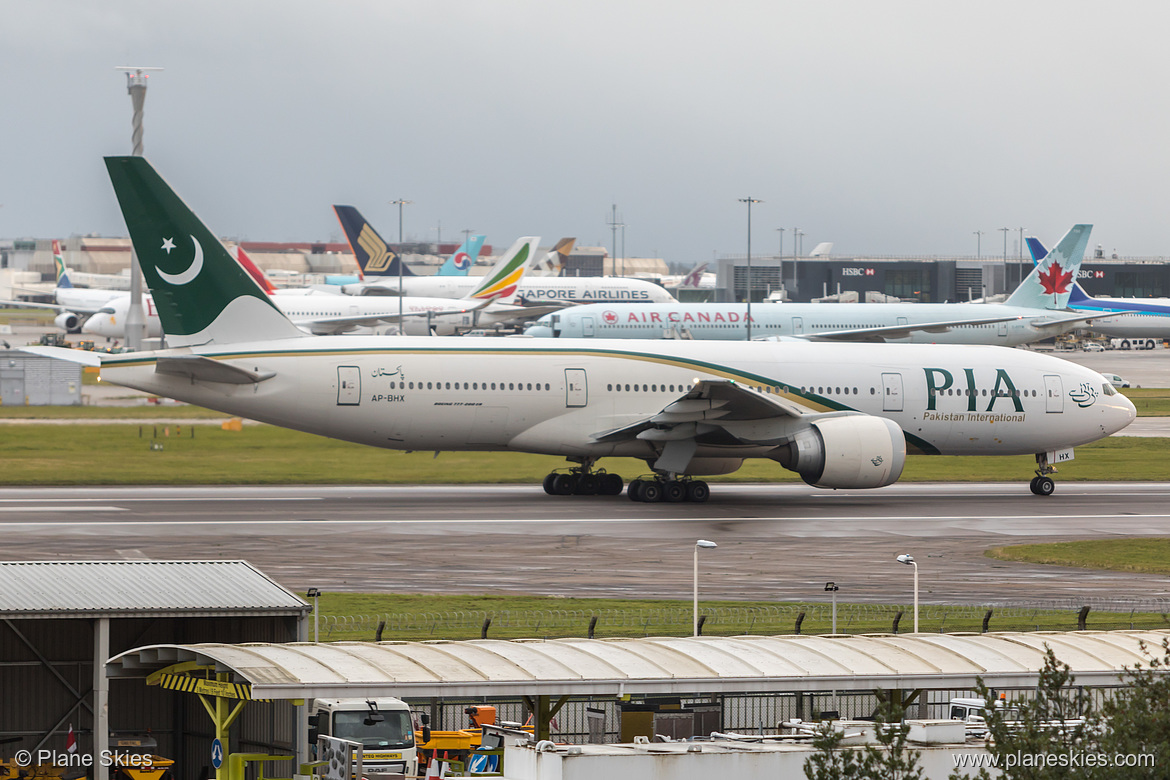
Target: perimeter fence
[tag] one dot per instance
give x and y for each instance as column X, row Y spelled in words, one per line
column 1062, row 615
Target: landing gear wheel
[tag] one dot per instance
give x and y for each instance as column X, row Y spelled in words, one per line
column 564, row 484
column 588, row 484
column 611, row 485
column 698, row 492
column 674, row 491
column 634, row 491
column 651, row 492
column 548, row 484
column 1043, row 486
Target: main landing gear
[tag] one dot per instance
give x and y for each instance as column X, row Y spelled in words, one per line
column 660, row 488
column 583, row 481
column 1042, row 484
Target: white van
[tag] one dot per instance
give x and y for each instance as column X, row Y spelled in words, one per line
column 383, row 726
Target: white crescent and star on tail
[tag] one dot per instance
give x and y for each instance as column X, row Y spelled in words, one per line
column 192, row 271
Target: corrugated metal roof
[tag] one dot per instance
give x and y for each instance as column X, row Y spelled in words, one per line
column 653, row 665
column 54, row 589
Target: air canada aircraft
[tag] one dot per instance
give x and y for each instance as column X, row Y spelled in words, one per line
column 1035, row 310
column 840, row 415
column 1138, row 319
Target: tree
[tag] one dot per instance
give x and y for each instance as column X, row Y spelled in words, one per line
column 1135, row 723
column 891, row 761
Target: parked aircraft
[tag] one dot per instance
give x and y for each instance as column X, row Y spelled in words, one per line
column 1132, row 318
column 840, row 415
column 329, row 313
column 373, row 254
column 1036, row 310
column 74, row 305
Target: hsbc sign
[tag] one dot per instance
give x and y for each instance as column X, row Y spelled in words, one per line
column 857, row 272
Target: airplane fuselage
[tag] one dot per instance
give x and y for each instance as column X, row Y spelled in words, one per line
column 728, row 321
column 536, row 396
column 562, row 289
column 1145, row 317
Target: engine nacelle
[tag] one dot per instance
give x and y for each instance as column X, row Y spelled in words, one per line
column 68, row 322
column 855, row 451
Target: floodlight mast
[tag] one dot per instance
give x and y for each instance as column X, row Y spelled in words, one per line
column 135, row 317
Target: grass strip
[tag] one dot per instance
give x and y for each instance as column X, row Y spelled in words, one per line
column 36, row 454
column 1146, row 555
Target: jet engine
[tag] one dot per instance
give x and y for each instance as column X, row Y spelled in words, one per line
column 854, row 451
column 68, row 322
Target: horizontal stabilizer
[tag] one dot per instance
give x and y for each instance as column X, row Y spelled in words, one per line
column 205, row 369
column 82, row 356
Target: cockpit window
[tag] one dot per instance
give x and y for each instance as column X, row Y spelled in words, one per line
column 1109, row 389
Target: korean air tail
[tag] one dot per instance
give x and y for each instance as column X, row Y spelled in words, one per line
column 203, row 296
column 502, row 282
column 465, row 256
column 59, row 263
column 1050, row 283
column 374, row 256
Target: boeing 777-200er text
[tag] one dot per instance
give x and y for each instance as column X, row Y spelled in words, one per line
column 840, row 415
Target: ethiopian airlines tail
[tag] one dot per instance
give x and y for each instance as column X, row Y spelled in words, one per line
column 502, row 282
column 1050, row 283
column 459, row 263
column 374, row 256
column 202, row 294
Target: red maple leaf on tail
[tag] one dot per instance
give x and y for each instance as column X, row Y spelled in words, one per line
column 1055, row 280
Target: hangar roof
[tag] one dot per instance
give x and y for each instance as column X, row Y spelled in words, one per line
column 668, row 665
column 59, row 589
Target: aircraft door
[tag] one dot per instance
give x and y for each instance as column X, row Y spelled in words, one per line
column 891, row 392
column 587, row 326
column 576, row 388
column 797, row 326
column 349, row 386
column 1002, row 331
column 1053, row 394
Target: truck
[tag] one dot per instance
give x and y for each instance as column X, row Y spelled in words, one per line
column 383, row 726
column 1137, row 343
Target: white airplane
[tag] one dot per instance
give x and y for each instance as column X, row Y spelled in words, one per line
column 1036, row 310
column 373, row 254
column 840, row 415
column 74, row 304
column 1127, row 318
column 328, row 313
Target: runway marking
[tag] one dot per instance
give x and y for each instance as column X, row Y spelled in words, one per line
column 166, row 498
column 60, row 509
column 557, row 521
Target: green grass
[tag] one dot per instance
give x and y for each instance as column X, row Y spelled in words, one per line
column 355, row 617
column 146, row 412
column 22, row 316
column 35, row 454
column 1149, row 401
column 1148, row 556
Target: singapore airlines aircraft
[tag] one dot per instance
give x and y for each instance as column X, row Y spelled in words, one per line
column 1139, row 319
column 1036, row 310
column 372, row 252
column 840, row 415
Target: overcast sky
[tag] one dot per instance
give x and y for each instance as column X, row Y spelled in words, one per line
column 894, row 127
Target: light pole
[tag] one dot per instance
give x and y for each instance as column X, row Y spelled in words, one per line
column 315, row 595
column 909, row 561
column 831, row 587
column 702, row 544
column 978, row 244
column 1020, row 248
column 401, row 319
column 749, row 202
column 781, row 256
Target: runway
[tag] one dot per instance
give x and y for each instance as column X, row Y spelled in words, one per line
column 775, row 541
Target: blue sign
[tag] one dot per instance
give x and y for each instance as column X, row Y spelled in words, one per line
column 216, row 753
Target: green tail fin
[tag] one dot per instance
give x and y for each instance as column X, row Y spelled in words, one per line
column 202, row 294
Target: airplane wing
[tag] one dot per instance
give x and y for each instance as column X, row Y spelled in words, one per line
column 58, row 307
column 321, row 326
column 880, row 334
column 716, row 410
column 1083, row 318
column 519, row 313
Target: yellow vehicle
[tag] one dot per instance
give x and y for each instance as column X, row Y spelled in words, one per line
column 133, row 758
